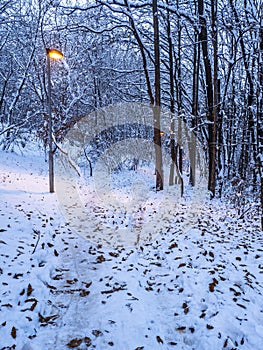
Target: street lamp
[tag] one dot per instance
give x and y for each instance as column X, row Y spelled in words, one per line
column 56, row 55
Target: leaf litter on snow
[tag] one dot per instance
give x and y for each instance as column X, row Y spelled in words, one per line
column 199, row 288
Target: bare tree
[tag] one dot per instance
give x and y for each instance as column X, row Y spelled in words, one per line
column 211, row 116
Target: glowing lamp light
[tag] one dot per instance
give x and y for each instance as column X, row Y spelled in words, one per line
column 55, row 54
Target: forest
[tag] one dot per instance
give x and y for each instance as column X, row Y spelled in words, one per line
column 201, row 61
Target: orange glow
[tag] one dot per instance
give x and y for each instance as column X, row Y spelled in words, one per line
column 55, row 54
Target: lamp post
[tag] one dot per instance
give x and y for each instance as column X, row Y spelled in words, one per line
column 56, row 55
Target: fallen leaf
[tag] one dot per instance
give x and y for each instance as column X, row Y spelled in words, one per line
column 211, row 287
column 186, row 310
column 74, row 343
column 55, row 252
column 87, row 341
column 100, row 259
column 84, row 293
column 96, row 332
column 29, row 290
column 182, row 265
column 159, row 339
column 47, row 319
column 174, row 245
column 13, row 332
column 115, row 255
column 88, row 284
column 181, row 329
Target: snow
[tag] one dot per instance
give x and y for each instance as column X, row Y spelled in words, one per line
column 196, row 286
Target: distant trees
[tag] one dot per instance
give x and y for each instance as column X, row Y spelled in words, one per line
column 201, row 60
column 20, row 28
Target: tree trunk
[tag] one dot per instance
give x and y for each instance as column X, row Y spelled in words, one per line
column 215, row 111
column 172, row 102
column 157, row 102
column 195, row 93
column 260, row 113
column 203, row 38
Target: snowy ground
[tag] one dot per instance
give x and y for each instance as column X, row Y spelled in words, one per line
column 199, row 288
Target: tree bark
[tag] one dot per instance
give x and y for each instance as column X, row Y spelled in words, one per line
column 260, row 113
column 203, row 38
column 215, row 96
column 195, row 94
column 172, row 101
column 157, row 101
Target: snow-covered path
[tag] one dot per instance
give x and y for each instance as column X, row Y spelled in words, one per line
column 197, row 289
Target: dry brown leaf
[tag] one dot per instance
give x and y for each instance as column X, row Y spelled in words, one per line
column 13, row 332
column 74, row 343
column 29, row 290
column 186, row 310
column 56, row 252
column 208, row 326
column 159, row 339
column 181, row 329
column 87, row 341
column 182, row 265
column 211, row 287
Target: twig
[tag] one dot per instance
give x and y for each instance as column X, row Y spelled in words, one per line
column 38, row 239
column 113, row 290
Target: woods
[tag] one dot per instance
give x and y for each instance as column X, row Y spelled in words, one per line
column 201, row 61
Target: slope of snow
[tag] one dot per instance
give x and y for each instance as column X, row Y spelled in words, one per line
column 199, row 288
